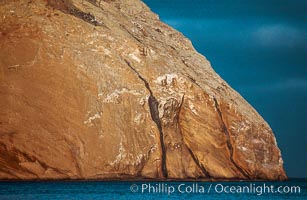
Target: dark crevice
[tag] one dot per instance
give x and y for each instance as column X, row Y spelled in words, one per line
column 200, row 166
column 194, row 81
column 67, row 7
column 229, row 145
column 154, row 112
column 195, row 159
column 137, row 39
column 189, row 76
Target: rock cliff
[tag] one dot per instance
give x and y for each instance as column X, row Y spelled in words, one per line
column 104, row 90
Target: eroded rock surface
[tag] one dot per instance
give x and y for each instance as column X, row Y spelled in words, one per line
column 103, row 89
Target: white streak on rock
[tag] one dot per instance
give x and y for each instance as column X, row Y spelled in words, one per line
column 192, row 108
column 138, row 119
column 121, row 155
column 166, row 79
column 242, row 148
column 90, row 119
column 112, row 98
column 134, row 56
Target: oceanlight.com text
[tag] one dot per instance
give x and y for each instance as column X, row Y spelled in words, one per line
column 217, row 188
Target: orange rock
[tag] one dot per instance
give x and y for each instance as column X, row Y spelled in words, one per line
column 104, row 90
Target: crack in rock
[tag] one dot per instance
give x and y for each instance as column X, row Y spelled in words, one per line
column 229, row 145
column 154, row 113
column 195, row 159
column 67, row 7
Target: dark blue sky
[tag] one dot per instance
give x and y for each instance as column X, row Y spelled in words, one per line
column 260, row 48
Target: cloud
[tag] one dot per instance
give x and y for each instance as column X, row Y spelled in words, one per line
column 202, row 23
column 247, row 30
column 289, row 84
column 280, row 35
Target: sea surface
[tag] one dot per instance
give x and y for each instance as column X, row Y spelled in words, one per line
column 117, row 190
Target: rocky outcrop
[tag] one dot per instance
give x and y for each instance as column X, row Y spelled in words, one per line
column 103, row 90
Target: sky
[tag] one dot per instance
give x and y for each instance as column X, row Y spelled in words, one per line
column 260, row 48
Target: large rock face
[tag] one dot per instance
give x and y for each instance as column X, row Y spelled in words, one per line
column 103, row 89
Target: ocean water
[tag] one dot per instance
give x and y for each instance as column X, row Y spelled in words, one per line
column 96, row 190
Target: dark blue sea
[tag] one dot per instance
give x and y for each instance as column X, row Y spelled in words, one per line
column 95, row 190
